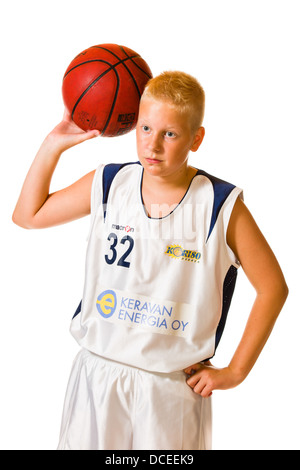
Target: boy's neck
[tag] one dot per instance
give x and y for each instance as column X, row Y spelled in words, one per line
column 175, row 181
column 162, row 194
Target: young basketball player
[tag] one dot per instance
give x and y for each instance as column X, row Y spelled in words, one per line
column 165, row 244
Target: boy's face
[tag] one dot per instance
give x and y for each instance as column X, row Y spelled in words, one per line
column 164, row 138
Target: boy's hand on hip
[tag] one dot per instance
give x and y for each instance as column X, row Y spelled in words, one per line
column 204, row 378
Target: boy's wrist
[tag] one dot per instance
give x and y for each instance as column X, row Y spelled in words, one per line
column 237, row 373
column 53, row 145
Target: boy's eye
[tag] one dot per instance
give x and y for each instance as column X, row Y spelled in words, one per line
column 146, row 128
column 170, row 134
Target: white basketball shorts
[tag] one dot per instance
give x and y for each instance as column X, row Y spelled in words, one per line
column 112, row 406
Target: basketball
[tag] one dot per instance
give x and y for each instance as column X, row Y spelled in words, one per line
column 102, row 88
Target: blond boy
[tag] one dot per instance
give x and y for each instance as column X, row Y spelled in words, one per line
column 165, row 246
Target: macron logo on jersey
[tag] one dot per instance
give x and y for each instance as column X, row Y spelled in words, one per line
column 126, row 228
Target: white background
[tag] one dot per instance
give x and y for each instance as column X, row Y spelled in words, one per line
column 246, row 55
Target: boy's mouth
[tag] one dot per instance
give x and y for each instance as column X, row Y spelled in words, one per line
column 152, row 160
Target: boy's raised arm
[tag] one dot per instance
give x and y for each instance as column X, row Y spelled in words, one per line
column 36, row 208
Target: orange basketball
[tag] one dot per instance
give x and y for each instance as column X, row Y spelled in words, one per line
column 102, row 88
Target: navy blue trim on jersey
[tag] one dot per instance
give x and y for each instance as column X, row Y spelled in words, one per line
column 228, row 290
column 109, row 172
column 222, row 189
column 78, row 310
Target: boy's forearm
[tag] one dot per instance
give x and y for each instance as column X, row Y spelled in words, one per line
column 204, row 378
column 261, row 321
column 36, row 186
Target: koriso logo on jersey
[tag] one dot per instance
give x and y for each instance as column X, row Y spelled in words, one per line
column 175, row 251
column 142, row 312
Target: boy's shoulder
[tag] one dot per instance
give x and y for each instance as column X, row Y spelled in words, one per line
column 221, row 191
column 109, row 172
column 217, row 183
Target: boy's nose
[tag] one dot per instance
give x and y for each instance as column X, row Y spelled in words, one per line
column 155, row 143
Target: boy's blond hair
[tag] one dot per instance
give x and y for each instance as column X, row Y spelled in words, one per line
column 182, row 90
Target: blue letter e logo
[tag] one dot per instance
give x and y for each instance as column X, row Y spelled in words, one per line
column 106, row 303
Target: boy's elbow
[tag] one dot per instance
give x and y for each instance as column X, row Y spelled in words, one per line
column 281, row 292
column 285, row 291
column 275, row 292
column 20, row 221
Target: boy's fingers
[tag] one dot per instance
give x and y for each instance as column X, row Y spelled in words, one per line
column 192, row 369
column 194, row 379
column 93, row 133
column 66, row 115
column 87, row 135
column 199, row 385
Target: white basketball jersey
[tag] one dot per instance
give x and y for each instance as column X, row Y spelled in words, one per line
column 157, row 291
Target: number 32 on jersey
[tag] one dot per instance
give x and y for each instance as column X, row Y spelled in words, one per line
column 116, row 252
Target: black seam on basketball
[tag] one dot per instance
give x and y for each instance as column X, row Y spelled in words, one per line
column 90, row 86
column 129, row 71
column 82, row 63
column 122, row 62
column 134, row 81
column 112, row 67
column 113, row 104
column 86, row 62
column 115, row 55
column 99, row 60
column 133, row 57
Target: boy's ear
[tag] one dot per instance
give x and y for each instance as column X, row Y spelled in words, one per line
column 198, row 139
